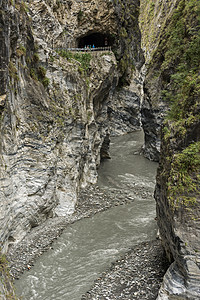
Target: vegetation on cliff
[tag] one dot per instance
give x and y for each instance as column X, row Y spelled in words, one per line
column 184, row 177
column 178, row 61
column 83, row 58
column 183, row 52
column 5, row 281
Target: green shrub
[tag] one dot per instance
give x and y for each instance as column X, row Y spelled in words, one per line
column 36, row 57
column 41, row 72
column 83, row 58
column 183, row 183
column 182, row 52
column 21, row 51
column 13, row 71
column 45, row 81
column 33, row 74
column 80, row 15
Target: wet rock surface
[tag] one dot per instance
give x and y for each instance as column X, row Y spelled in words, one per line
column 137, row 275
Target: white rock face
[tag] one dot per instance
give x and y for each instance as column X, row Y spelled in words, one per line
column 51, row 137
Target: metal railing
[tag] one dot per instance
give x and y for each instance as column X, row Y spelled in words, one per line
column 88, row 49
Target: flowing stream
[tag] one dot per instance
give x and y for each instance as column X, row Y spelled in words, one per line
column 87, row 247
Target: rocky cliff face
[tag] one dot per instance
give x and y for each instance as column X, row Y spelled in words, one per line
column 172, row 88
column 124, row 107
column 154, row 17
column 50, row 140
column 53, row 103
column 178, row 211
column 6, row 286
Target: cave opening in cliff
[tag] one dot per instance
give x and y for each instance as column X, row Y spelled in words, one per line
column 97, row 39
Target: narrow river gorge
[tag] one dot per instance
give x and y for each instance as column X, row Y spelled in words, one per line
column 67, row 230
column 87, row 247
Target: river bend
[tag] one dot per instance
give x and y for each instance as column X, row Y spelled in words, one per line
column 87, row 247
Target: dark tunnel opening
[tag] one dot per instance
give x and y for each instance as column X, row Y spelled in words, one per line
column 96, row 39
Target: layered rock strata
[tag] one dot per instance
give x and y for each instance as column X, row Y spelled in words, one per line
column 172, row 88
column 154, row 17
column 178, row 212
column 124, row 107
column 53, row 103
column 51, row 138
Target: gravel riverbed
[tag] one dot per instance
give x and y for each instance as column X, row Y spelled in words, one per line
column 137, row 275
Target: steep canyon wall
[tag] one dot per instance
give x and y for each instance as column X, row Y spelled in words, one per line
column 54, row 114
column 54, row 103
column 57, row 109
column 170, row 116
column 54, row 106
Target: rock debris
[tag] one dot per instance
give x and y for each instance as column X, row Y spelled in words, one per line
column 137, row 275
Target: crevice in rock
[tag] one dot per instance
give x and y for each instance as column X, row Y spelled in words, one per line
column 104, row 152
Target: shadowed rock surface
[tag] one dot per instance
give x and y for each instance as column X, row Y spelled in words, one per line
column 167, row 89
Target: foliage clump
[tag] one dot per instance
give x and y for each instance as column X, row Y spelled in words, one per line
column 13, row 71
column 38, row 72
column 41, row 73
column 83, row 58
column 178, row 66
column 184, row 177
column 22, row 7
column 21, row 51
column 5, row 278
column 181, row 49
column 80, row 15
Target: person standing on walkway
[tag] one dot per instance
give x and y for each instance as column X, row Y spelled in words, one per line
column 106, row 42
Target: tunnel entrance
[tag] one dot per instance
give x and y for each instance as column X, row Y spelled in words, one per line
column 97, row 39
